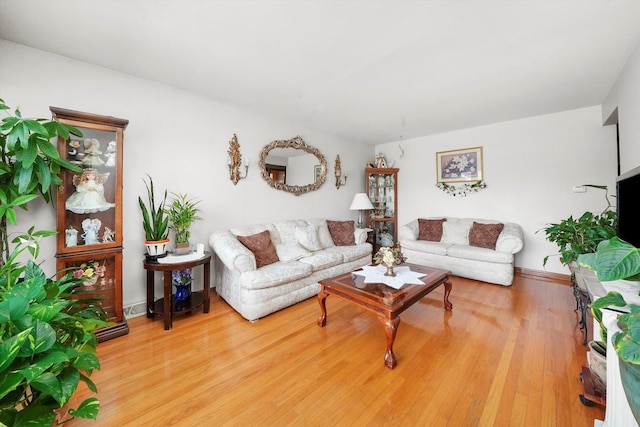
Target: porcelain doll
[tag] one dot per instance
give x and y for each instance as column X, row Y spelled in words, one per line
column 111, row 155
column 91, row 227
column 108, row 235
column 89, row 195
column 92, row 153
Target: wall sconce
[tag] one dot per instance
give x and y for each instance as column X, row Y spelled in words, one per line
column 338, row 174
column 235, row 161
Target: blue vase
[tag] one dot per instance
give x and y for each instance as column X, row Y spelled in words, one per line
column 183, row 292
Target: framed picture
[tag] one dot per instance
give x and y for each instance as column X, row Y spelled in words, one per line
column 463, row 165
column 317, row 173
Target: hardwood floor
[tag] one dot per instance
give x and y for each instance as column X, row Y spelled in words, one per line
column 505, row 356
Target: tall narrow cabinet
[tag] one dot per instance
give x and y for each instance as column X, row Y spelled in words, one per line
column 89, row 211
column 382, row 189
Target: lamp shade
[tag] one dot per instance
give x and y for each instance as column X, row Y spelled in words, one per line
column 360, row 202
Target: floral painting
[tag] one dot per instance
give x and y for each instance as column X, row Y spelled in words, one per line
column 459, row 165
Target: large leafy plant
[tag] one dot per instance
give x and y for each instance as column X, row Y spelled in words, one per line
column 575, row 237
column 29, row 165
column 47, row 344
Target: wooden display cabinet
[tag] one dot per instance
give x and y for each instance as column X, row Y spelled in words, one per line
column 89, row 209
column 382, row 189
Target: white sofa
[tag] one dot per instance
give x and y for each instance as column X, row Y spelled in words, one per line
column 256, row 292
column 454, row 253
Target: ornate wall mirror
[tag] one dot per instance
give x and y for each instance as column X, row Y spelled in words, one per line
column 293, row 166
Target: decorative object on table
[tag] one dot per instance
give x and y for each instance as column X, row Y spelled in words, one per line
column 155, row 221
column 181, row 279
column 377, row 274
column 461, row 190
column 360, row 203
column 463, row 165
column 235, row 161
column 341, row 178
column 616, row 259
column 91, row 201
column 389, row 256
column 182, row 212
column 90, row 272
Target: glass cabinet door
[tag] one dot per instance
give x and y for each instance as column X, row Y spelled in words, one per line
column 383, row 193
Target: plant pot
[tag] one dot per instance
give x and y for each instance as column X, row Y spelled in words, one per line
column 630, row 376
column 182, row 248
column 157, row 249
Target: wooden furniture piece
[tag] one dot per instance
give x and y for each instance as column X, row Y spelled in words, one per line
column 166, row 306
column 89, row 210
column 386, row 302
column 382, row 189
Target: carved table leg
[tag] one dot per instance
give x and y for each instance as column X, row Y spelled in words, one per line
column 390, row 328
column 447, row 291
column 322, row 297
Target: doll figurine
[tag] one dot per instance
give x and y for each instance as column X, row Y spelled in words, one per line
column 92, row 153
column 89, row 195
column 91, row 227
column 111, row 155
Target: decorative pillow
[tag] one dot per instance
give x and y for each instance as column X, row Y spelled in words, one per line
column 308, row 237
column 290, row 251
column 485, row 235
column 261, row 246
column 342, row 232
column 455, row 233
column 430, row 229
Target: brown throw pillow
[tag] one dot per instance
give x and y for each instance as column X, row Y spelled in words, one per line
column 430, row 229
column 261, row 246
column 484, row 235
column 342, row 232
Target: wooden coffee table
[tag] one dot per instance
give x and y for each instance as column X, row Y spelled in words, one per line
column 383, row 300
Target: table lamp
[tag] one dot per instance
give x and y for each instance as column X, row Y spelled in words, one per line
column 360, row 203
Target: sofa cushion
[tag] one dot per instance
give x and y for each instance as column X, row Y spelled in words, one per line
column 308, row 237
column 274, row 274
column 430, row 229
column 261, row 246
column 435, row 248
column 479, row 254
column 323, row 232
column 456, row 233
column 351, row 253
column 290, row 251
column 484, row 235
column 342, row 232
column 322, row 259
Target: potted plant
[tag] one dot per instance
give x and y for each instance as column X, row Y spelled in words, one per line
column 29, row 165
column 616, row 259
column 47, row 344
column 182, row 212
column 155, row 222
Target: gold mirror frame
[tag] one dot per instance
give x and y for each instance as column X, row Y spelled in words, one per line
column 298, row 144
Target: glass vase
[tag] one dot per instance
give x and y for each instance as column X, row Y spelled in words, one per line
column 183, row 292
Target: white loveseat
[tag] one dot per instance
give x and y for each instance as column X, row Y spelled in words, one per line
column 306, row 254
column 454, row 253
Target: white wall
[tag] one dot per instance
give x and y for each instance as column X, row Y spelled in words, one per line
column 179, row 138
column 530, row 167
column 625, row 95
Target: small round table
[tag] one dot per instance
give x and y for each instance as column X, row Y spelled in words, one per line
column 165, row 306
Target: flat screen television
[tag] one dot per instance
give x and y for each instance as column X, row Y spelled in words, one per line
column 627, row 206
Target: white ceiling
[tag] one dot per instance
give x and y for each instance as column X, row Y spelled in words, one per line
column 373, row 71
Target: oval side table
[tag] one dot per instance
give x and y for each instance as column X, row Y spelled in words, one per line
column 165, row 306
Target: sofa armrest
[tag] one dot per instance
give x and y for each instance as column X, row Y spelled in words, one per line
column 511, row 240
column 408, row 231
column 360, row 235
column 231, row 252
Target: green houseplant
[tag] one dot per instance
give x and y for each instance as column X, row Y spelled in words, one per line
column 155, row 221
column 616, row 259
column 29, row 165
column 47, row 344
column 182, row 212
column 575, row 237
